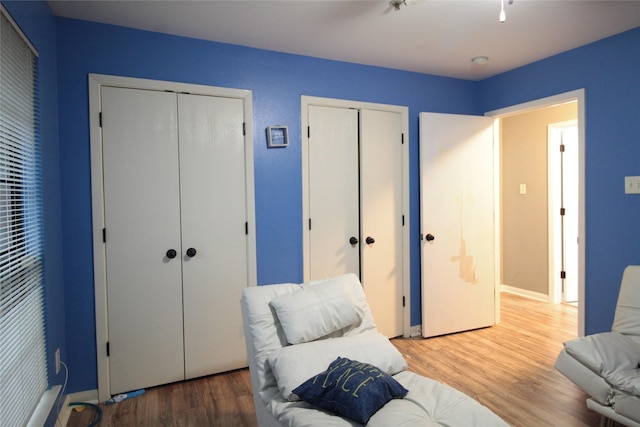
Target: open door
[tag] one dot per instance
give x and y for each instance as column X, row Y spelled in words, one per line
column 563, row 180
column 457, row 223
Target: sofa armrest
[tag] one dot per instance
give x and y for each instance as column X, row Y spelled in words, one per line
column 605, row 353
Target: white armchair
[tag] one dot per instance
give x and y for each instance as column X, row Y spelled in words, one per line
column 607, row 365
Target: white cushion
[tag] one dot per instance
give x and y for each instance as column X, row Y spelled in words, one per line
column 295, row 364
column 593, row 384
column 318, row 308
column 605, row 353
column 613, row 356
column 627, row 405
column 429, row 403
column 627, row 317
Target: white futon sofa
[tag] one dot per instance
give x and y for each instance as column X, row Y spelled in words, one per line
column 321, row 334
column 607, row 365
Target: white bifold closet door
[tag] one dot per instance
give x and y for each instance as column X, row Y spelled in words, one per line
column 334, row 192
column 355, row 204
column 381, row 217
column 176, row 245
column 213, row 206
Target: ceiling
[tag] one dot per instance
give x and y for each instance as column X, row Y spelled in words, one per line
column 427, row 36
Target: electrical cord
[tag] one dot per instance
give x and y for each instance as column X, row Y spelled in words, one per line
column 64, row 386
column 58, row 405
column 96, row 407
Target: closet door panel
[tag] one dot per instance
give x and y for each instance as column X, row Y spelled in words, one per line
column 333, row 192
column 142, row 218
column 213, row 195
column 381, row 217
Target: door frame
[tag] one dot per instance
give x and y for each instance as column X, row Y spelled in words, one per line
column 577, row 95
column 305, row 102
column 96, row 81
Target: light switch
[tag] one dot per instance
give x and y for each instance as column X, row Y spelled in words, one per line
column 523, row 188
column 632, row 184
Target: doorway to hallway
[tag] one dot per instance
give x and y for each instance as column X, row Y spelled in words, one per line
column 525, row 262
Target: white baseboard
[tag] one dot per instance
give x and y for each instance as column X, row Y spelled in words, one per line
column 65, row 413
column 89, row 396
column 524, row 293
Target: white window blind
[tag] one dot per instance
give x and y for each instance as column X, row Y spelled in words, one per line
column 23, row 373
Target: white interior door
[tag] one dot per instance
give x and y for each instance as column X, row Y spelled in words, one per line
column 563, row 196
column 381, row 217
column 457, row 223
column 214, row 213
column 333, row 192
column 570, row 218
column 142, row 219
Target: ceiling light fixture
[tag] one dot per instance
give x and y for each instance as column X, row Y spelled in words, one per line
column 397, row 4
column 480, row 60
column 503, row 15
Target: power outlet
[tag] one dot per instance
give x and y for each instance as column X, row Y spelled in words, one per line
column 632, row 184
column 57, row 361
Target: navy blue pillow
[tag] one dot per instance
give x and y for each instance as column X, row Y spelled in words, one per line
column 350, row 388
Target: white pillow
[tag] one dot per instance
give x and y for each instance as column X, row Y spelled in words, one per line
column 294, row 364
column 318, row 309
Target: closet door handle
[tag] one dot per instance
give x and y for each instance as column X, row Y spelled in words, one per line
column 171, row 253
column 370, row 240
column 191, row 252
column 353, row 241
column 430, row 237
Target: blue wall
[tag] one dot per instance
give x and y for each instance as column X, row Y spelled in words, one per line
column 609, row 71
column 36, row 21
column 277, row 82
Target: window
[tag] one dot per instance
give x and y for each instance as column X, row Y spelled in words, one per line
column 23, row 373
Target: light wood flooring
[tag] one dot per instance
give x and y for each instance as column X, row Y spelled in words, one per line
column 508, row 368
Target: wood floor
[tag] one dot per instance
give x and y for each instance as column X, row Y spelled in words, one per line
column 508, row 368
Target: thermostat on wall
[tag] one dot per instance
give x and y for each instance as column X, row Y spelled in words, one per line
column 277, row 136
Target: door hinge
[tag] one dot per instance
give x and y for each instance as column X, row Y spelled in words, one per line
column 402, row 138
column 562, row 211
column 562, row 148
column 403, row 300
column 403, row 220
column 104, row 235
column 308, row 131
column 100, row 118
column 563, row 274
column 309, row 223
column 244, row 129
column 108, row 350
column 246, row 228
